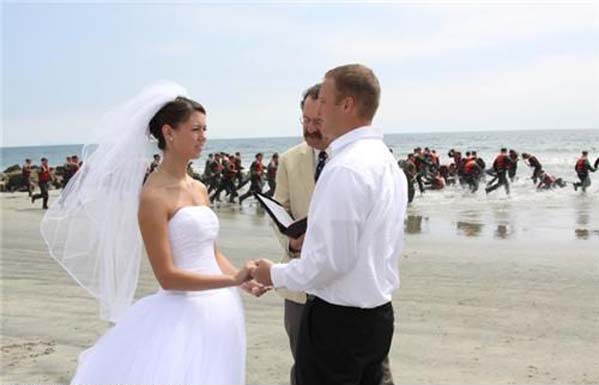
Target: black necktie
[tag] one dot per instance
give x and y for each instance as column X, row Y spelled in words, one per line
column 322, row 159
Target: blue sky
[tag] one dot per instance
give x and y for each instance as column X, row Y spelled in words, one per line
column 443, row 66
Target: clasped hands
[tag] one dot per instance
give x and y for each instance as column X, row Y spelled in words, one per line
column 254, row 277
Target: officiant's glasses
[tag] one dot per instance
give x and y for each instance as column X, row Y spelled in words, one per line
column 315, row 122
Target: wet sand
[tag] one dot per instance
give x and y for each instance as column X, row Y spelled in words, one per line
column 470, row 309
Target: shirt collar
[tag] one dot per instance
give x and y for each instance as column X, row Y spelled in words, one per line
column 364, row 132
column 317, row 152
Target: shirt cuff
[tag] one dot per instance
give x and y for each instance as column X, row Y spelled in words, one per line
column 277, row 275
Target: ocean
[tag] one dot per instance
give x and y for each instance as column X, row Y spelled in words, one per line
column 526, row 214
column 556, row 149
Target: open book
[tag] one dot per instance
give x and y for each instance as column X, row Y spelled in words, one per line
column 285, row 222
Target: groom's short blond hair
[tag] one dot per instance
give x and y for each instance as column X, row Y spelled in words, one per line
column 359, row 82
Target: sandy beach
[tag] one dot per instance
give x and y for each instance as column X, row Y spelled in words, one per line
column 470, row 310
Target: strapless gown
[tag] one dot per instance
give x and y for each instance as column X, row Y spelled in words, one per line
column 172, row 337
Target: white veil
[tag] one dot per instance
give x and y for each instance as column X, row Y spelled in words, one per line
column 92, row 228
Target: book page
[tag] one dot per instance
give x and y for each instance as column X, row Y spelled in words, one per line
column 278, row 211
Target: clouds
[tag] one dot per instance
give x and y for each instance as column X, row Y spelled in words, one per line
column 457, row 29
column 442, row 65
column 550, row 92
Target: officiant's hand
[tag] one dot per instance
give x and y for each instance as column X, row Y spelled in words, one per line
column 262, row 272
column 254, row 288
column 295, row 244
column 245, row 273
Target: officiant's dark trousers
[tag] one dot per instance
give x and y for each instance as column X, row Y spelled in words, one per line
column 342, row 345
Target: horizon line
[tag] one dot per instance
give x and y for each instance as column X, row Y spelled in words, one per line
column 385, row 133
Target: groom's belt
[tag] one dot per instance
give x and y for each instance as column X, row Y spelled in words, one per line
column 317, row 300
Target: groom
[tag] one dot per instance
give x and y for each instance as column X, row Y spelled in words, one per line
column 349, row 259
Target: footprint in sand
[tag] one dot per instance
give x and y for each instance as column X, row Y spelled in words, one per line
column 15, row 353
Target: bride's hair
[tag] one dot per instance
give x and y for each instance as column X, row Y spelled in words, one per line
column 173, row 113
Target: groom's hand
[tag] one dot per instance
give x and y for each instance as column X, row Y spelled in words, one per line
column 261, row 272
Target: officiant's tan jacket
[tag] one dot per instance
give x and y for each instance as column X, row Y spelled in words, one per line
column 295, row 185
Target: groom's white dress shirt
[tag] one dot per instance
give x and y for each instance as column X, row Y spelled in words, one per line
column 355, row 235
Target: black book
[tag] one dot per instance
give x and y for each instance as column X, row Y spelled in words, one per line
column 284, row 221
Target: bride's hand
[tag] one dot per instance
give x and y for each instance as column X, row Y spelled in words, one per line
column 245, row 273
column 254, row 288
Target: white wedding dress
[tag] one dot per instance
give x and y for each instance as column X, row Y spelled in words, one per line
column 176, row 337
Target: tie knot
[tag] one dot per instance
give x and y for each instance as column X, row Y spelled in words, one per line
column 322, row 155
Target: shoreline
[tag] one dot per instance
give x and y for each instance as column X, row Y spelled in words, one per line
column 469, row 310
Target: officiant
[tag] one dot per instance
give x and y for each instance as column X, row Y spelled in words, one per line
column 299, row 168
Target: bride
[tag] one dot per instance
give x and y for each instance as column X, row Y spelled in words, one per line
column 192, row 330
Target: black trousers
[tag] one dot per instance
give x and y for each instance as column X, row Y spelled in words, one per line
column 255, row 186
column 585, row 181
column 225, row 185
column 213, row 183
column 43, row 194
column 411, row 191
column 536, row 174
column 272, row 185
column 472, row 181
column 26, row 182
column 502, row 181
column 512, row 171
column 420, row 183
column 342, row 345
